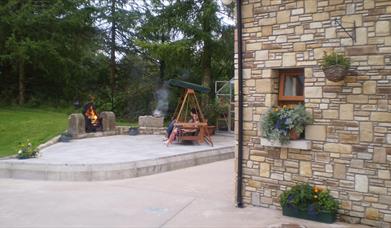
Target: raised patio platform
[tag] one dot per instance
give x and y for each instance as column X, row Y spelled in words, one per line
column 114, row 157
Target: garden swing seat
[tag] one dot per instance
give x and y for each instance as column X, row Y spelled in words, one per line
column 197, row 132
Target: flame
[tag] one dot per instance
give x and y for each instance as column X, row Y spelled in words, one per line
column 91, row 114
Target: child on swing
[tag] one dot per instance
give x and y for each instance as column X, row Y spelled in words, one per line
column 175, row 130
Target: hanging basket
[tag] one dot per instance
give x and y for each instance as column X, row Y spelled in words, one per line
column 335, row 73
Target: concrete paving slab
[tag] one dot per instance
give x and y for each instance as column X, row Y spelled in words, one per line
column 114, row 157
column 200, row 196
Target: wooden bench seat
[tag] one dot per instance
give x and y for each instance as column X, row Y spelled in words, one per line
column 199, row 132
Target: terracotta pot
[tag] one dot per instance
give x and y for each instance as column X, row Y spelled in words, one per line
column 293, row 135
column 211, row 130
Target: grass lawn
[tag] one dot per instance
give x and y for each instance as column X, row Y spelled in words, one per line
column 17, row 124
column 37, row 125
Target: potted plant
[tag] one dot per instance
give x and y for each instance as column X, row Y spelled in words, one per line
column 26, row 150
column 65, row 137
column 212, row 112
column 285, row 123
column 133, row 130
column 335, row 66
column 307, row 202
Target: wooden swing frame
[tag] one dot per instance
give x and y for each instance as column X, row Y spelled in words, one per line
column 200, row 129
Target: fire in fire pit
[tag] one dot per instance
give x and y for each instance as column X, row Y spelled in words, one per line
column 92, row 120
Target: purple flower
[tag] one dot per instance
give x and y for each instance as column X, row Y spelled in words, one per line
column 278, row 124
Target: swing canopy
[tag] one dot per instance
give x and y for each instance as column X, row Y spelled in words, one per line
column 188, row 85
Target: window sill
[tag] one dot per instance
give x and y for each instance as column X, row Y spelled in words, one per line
column 294, row 144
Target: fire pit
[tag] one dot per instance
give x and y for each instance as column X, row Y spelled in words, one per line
column 89, row 121
column 92, row 121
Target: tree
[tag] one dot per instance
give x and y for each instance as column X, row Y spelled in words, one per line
column 43, row 36
column 116, row 20
column 187, row 34
column 160, row 38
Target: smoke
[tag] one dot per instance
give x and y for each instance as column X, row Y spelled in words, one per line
column 184, row 74
column 162, row 101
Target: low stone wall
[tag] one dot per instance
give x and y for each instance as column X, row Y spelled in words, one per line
column 124, row 130
column 149, row 125
column 152, row 130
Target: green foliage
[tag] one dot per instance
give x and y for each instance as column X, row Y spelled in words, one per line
column 307, row 198
column 26, row 150
column 58, row 52
column 278, row 122
column 326, row 202
column 43, row 45
column 335, row 59
column 214, row 110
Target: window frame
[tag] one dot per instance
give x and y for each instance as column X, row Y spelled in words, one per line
column 283, row 74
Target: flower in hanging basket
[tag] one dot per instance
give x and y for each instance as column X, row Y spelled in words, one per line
column 285, row 123
column 335, row 66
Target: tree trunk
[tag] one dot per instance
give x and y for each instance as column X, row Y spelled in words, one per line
column 21, row 82
column 162, row 63
column 162, row 68
column 207, row 72
column 112, row 53
column 206, row 61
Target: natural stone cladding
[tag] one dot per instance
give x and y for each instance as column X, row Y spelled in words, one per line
column 351, row 134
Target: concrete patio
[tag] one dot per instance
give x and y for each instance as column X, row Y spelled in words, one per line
column 114, row 157
column 201, row 196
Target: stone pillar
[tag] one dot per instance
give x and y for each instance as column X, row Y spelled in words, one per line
column 76, row 124
column 150, row 121
column 108, row 121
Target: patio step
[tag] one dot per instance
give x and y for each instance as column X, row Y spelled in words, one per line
column 111, row 171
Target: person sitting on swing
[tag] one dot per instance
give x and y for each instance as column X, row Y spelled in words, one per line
column 175, row 130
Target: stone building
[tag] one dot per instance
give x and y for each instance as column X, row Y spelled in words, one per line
column 348, row 147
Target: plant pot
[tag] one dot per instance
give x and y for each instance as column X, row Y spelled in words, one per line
column 324, row 217
column 211, row 130
column 65, row 138
column 293, row 135
column 335, row 73
column 133, row 131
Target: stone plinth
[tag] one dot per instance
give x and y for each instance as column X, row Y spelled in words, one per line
column 150, row 121
column 108, row 121
column 76, row 124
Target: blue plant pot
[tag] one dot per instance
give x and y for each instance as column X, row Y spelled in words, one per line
column 324, row 217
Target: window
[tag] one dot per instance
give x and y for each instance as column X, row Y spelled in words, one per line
column 291, row 90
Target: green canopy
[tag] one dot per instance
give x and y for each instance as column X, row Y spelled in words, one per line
column 188, row 85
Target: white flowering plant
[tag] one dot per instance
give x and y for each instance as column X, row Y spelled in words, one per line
column 26, row 150
column 278, row 123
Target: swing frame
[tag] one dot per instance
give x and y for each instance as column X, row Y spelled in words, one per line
column 180, row 114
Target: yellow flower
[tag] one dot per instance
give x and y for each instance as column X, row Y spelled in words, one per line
column 316, row 189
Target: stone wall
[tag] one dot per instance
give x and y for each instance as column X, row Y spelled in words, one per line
column 351, row 134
